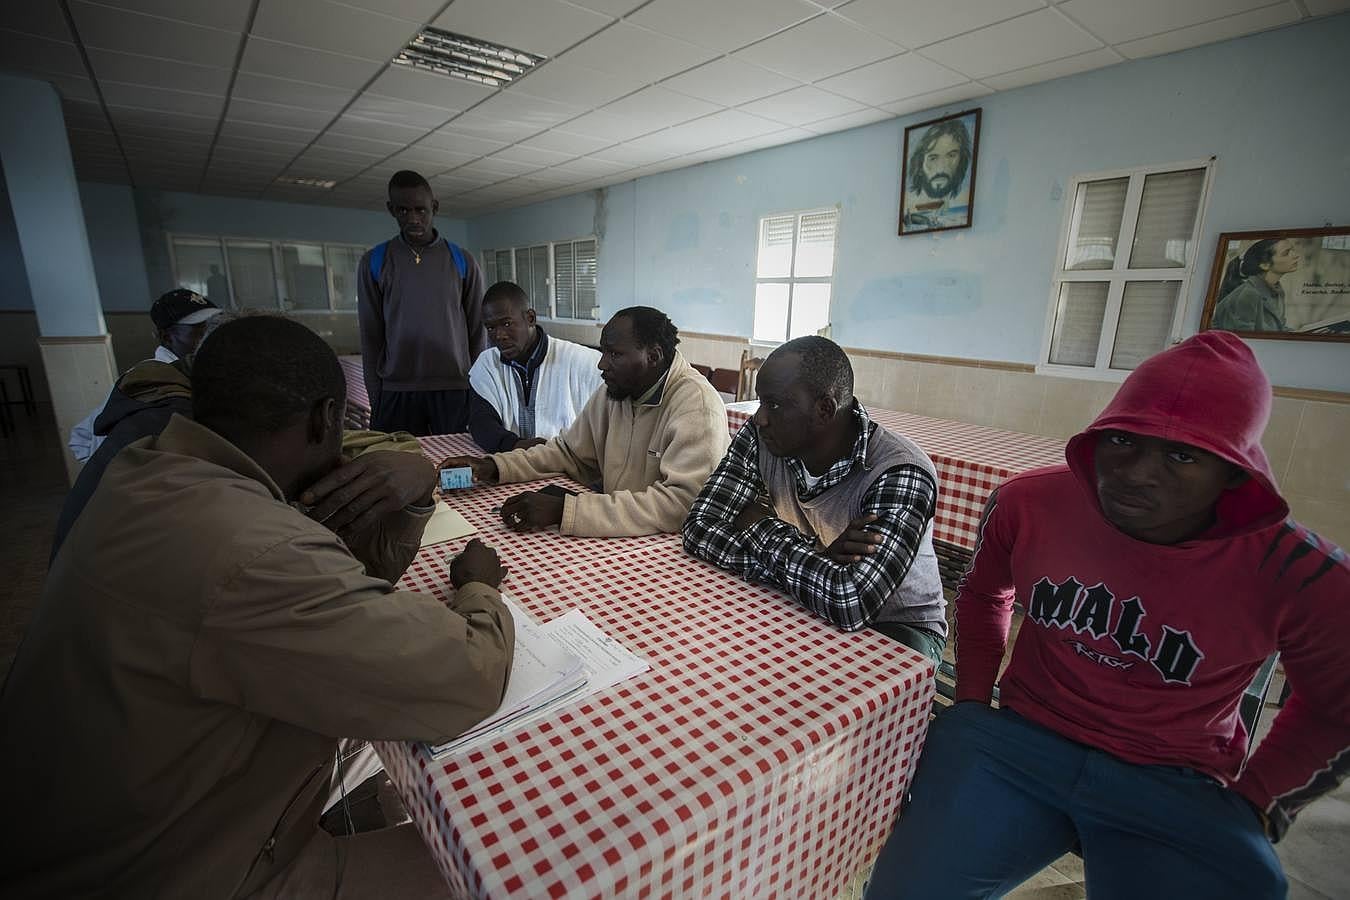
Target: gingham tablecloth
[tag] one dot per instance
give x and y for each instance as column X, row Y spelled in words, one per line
column 763, row 755
column 971, row 461
column 357, row 414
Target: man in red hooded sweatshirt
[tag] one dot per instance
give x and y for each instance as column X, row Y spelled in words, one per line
column 1157, row 570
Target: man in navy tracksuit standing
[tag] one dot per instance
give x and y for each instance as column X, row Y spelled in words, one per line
column 420, row 308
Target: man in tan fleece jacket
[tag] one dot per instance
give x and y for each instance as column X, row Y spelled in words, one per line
column 171, row 717
column 650, row 438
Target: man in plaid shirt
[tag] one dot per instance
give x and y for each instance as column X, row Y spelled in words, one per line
column 816, row 498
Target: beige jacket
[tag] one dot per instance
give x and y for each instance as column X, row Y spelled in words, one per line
column 651, row 460
column 170, row 721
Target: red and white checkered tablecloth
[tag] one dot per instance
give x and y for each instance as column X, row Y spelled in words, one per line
column 357, row 414
column 763, row 755
column 971, row 461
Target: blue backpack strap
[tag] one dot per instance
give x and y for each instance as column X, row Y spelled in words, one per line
column 377, row 260
column 461, row 264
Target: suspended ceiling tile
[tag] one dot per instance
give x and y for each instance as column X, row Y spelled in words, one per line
column 848, row 120
column 817, row 49
column 934, row 101
column 1326, row 7
column 1116, row 23
column 375, row 130
column 540, row 27
column 462, row 143
column 492, row 128
column 105, row 28
column 27, row 53
column 892, row 79
column 427, row 159
column 532, row 114
column 230, row 15
column 133, row 69
column 333, row 27
column 610, row 7
column 1093, row 59
column 43, row 19
column 532, row 155
column 237, row 128
column 774, row 139
column 398, row 112
column 346, row 143
column 913, row 23
column 161, row 100
column 266, row 89
column 636, row 54
column 720, row 25
column 154, row 118
column 729, row 81
column 563, row 141
column 576, row 85
column 605, row 126
column 1222, row 29
column 1028, row 40
column 801, row 105
column 722, row 128
column 654, row 107
column 279, row 60
column 444, row 91
column 73, row 87
column 592, row 167
column 629, row 154
column 246, row 110
column 499, row 168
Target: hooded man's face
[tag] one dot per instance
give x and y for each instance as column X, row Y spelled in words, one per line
column 1159, row 491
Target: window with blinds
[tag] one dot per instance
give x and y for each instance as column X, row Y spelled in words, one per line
column 794, row 271
column 559, row 278
column 1128, row 253
column 252, row 273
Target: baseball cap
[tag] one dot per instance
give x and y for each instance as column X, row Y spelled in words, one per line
column 182, row 307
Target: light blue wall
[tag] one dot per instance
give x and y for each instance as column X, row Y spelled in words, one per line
column 1270, row 107
column 14, row 293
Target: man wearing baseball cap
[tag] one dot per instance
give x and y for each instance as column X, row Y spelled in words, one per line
column 179, row 317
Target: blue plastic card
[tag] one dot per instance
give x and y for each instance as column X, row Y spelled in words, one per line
column 456, row 478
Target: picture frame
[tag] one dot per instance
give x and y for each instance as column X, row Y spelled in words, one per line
column 1282, row 284
column 937, row 173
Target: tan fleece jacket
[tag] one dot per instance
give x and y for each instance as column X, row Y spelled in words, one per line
column 651, row 460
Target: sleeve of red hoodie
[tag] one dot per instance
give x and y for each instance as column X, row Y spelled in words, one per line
column 984, row 603
column 1307, row 752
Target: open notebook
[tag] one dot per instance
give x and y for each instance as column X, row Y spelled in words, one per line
column 555, row 663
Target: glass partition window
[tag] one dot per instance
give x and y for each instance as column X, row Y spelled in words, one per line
column 794, row 271
column 559, row 278
column 253, row 273
column 1128, row 252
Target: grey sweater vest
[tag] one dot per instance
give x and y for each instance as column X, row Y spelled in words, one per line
column 918, row 601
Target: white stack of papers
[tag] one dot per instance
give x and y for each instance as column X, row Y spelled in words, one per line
column 445, row 524
column 564, row 660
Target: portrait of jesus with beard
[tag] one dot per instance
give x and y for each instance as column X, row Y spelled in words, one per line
column 939, row 173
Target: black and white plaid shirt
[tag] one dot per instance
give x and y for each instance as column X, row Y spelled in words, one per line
column 846, row 594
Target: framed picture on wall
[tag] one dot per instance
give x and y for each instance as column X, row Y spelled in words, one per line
column 937, row 173
column 1290, row 284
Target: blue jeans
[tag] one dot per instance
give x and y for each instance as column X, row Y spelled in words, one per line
column 997, row 798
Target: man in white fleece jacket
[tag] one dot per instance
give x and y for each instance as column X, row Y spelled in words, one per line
column 651, row 439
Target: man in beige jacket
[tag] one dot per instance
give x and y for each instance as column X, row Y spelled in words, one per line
column 650, row 438
column 170, row 721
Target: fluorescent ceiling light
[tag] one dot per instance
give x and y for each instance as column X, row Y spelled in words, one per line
column 326, row 183
column 447, row 53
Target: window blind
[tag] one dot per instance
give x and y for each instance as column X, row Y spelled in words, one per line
column 1099, row 208
column 1167, row 213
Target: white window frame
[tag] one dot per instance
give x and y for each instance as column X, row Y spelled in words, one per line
column 790, row 280
column 552, row 288
column 278, row 268
column 1120, row 273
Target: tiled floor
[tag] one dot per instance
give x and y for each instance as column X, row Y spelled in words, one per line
column 32, row 485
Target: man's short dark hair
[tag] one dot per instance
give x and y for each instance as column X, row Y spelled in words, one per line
column 258, row 372
column 651, row 328
column 507, row 292
column 407, row 178
column 824, row 367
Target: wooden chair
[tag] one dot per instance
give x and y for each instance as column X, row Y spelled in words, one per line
column 748, row 374
column 725, row 381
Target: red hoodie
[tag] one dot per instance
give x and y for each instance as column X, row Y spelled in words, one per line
column 1143, row 650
